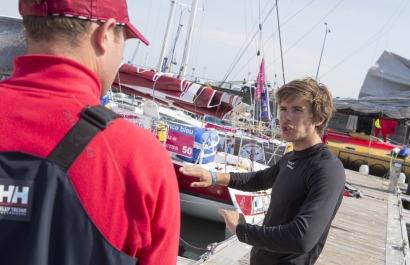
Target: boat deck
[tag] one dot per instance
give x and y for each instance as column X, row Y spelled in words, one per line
column 369, row 230
column 378, row 159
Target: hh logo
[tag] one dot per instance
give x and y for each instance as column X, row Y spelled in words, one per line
column 16, row 199
column 14, row 194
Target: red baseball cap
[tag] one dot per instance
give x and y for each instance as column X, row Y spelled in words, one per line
column 98, row 10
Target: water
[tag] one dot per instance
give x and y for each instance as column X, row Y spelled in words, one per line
column 197, row 233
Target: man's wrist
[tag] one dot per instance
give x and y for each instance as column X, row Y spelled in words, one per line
column 213, row 177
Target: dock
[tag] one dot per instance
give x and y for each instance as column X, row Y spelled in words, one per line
column 367, row 230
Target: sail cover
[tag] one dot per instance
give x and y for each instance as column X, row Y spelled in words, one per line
column 389, row 77
column 376, row 107
column 167, row 90
column 385, row 92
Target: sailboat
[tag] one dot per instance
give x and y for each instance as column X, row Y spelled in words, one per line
column 197, row 100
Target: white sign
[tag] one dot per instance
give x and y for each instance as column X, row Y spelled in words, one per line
column 253, row 152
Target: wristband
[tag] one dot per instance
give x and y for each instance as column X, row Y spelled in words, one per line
column 213, row 177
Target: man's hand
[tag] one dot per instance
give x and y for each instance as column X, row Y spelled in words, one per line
column 232, row 219
column 197, row 171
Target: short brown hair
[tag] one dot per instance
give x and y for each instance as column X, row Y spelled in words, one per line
column 68, row 29
column 316, row 93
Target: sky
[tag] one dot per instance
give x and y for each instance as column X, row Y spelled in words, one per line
column 226, row 39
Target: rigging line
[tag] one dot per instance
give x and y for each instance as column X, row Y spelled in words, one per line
column 271, row 48
column 396, row 14
column 367, row 43
column 287, row 11
column 260, row 45
column 259, row 26
column 155, row 31
column 212, row 245
column 252, row 19
column 241, row 69
column 145, row 29
column 376, row 48
column 239, row 56
column 364, row 45
column 246, row 27
column 149, row 15
column 236, row 60
column 400, row 10
column 247, row 63
column 285, row 22
column 312, row 28
column 192, row 246
column 280, row 42
column 199, row 41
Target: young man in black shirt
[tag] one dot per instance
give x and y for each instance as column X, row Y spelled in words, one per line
column 307, row 183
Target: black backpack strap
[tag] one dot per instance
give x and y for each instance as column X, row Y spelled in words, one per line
column 93, row 120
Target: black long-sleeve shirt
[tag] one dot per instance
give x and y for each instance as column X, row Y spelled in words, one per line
column 307, row 190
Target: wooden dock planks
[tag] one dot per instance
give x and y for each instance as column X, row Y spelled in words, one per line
column 358, row 232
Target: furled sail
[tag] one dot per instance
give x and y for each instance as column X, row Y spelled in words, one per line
column 195, row 98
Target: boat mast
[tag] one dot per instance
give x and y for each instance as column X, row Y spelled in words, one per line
column 171, row 54
column 165, row 43
column 187, row 48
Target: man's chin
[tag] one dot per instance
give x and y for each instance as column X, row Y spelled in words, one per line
column 287, row 137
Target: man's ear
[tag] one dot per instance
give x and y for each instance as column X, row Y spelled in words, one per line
column 319, row 121
column 104, row 34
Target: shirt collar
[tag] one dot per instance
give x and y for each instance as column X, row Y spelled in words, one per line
column 56, row 73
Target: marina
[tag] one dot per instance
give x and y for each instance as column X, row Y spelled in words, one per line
column 368, row 230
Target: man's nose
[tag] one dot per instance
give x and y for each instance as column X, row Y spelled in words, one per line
column 286, row 115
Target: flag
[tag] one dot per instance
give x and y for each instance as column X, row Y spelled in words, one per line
column 265, row 111
column 260, row 81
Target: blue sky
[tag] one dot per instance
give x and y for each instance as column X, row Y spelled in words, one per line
column 359, row 32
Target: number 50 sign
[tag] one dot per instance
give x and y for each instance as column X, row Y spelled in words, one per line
column 180, row 139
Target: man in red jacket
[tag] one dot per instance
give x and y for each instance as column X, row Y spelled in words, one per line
column 124, row 178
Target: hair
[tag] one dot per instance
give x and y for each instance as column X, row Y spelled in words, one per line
column 316, row 93
column 70, row 30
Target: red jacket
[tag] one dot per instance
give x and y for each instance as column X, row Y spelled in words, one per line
column 124, row 178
